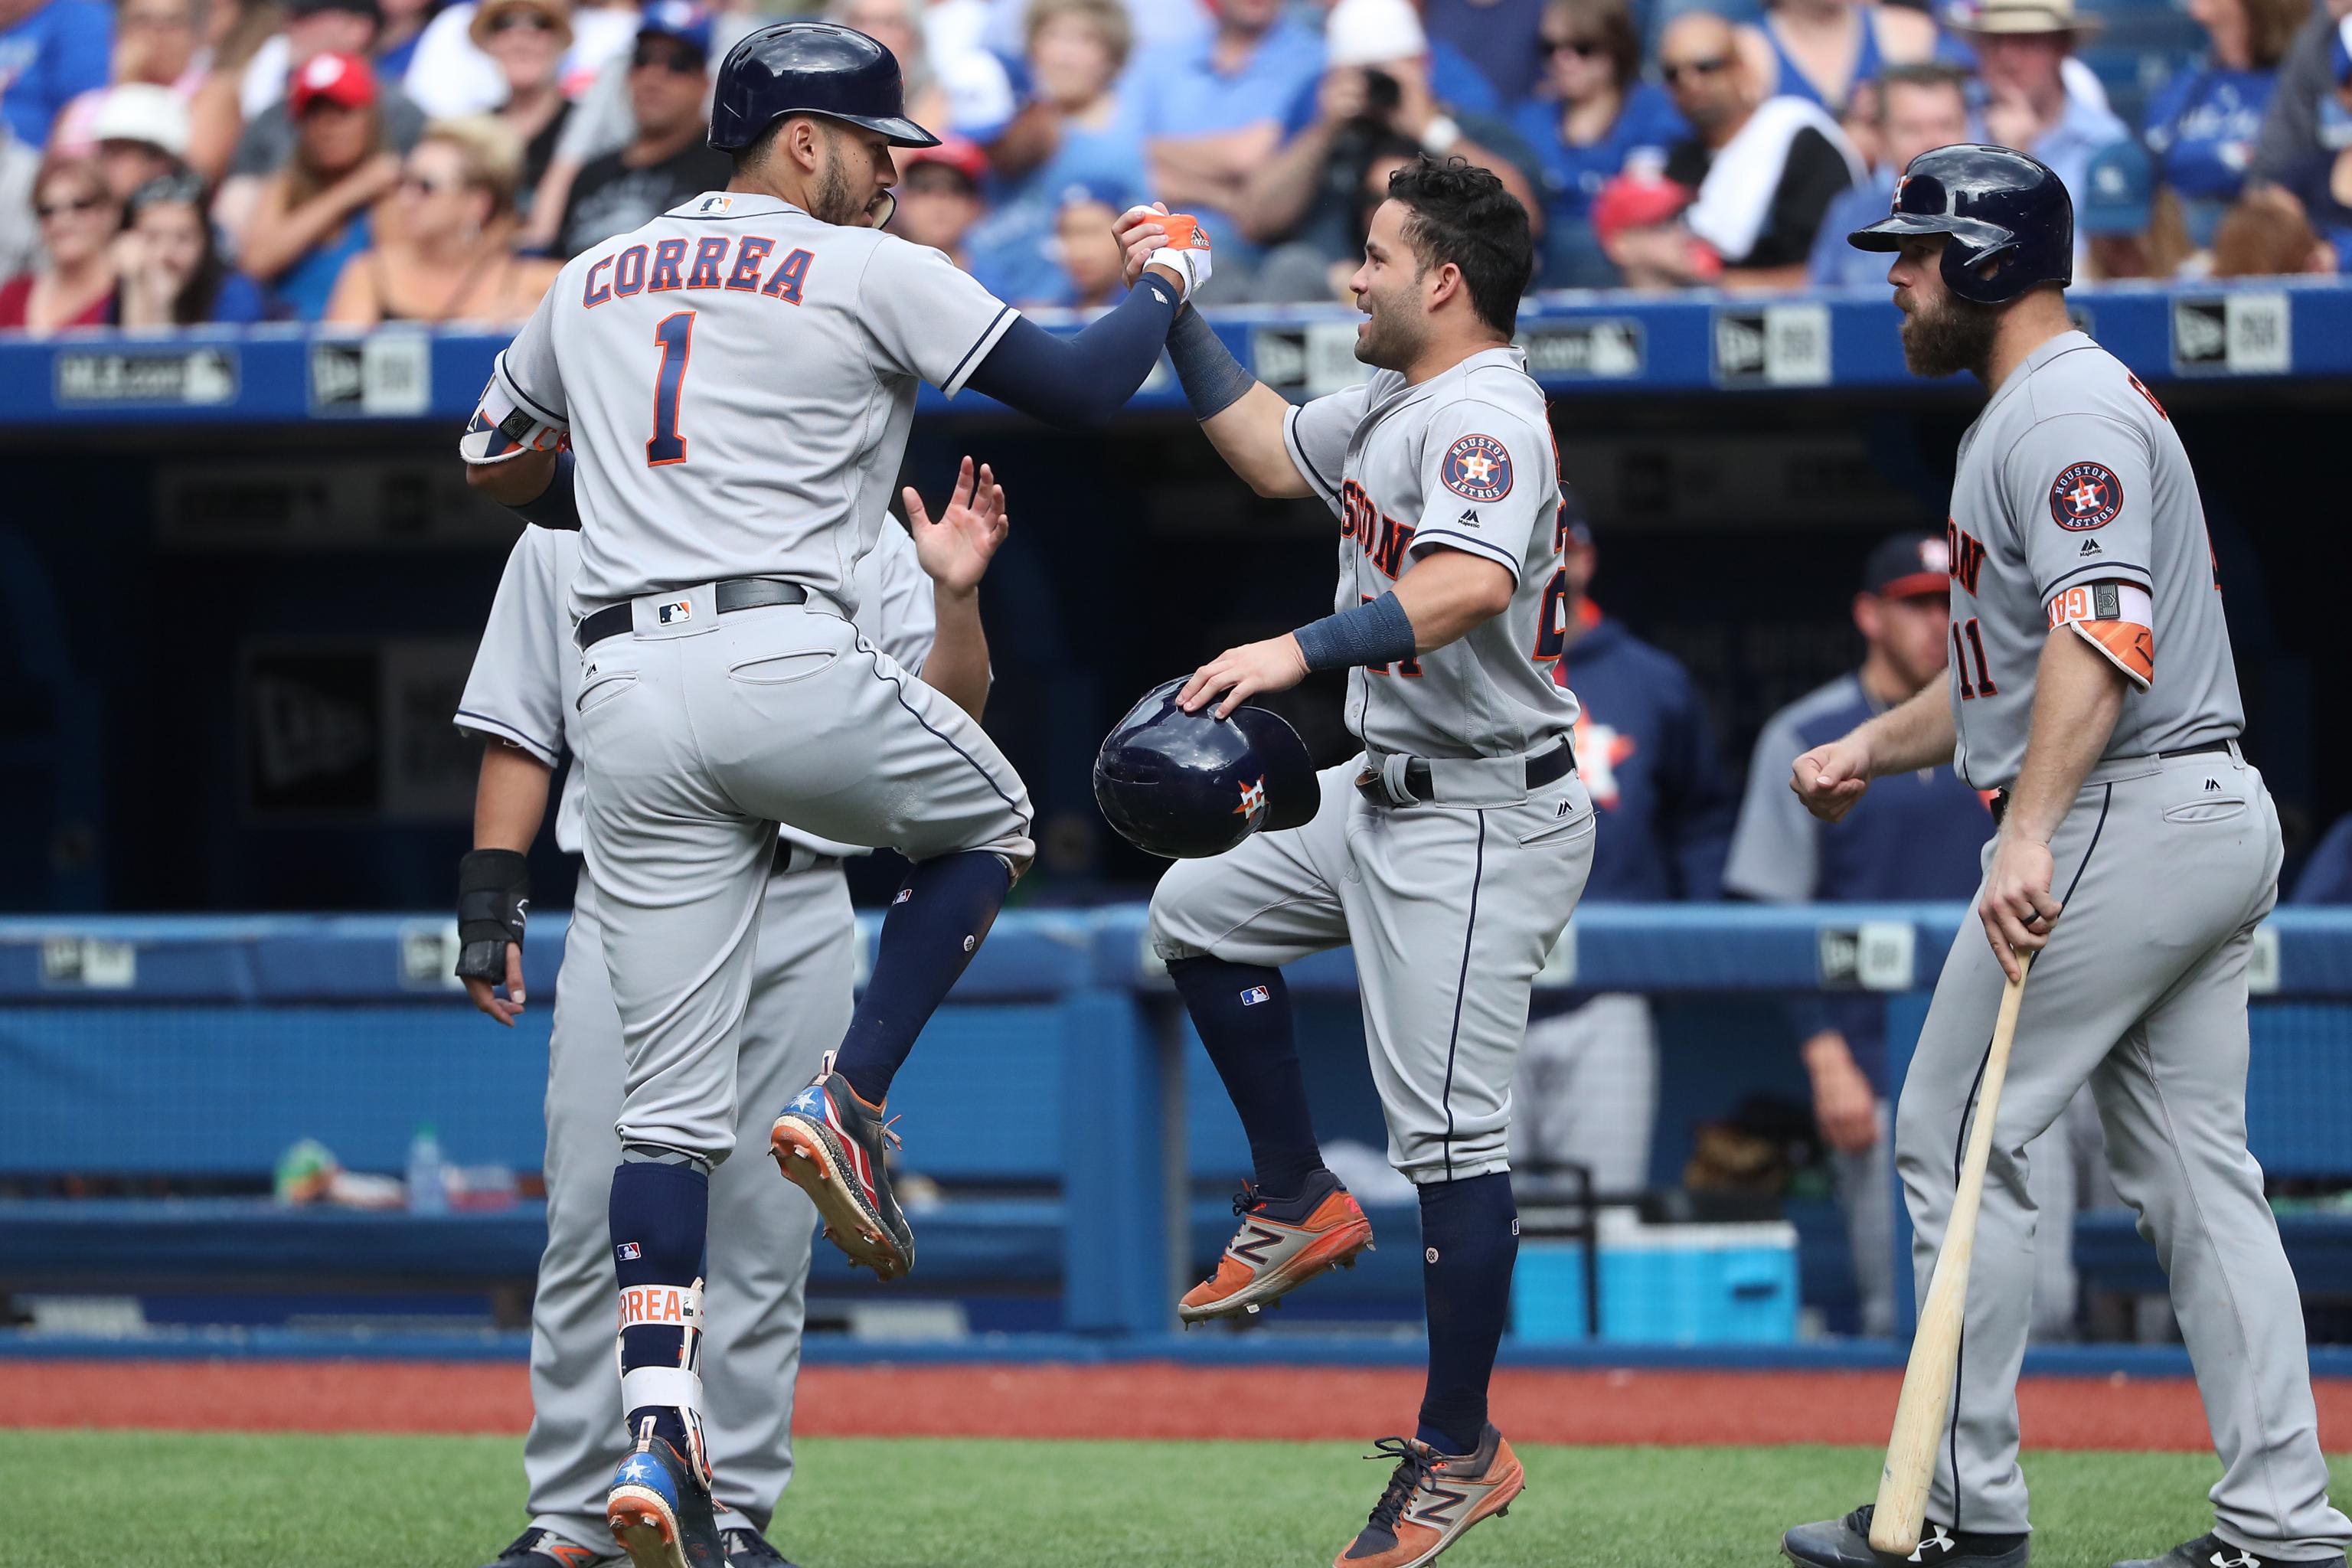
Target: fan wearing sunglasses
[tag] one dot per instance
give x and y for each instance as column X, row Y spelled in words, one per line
column 666, row 158
column 453, row 258
column 1594, row 117
column 527, row 38
column 1763, row 173
column 79, row 221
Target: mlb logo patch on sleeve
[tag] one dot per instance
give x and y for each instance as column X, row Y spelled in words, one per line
column 1477, row 468
column 1255, row 994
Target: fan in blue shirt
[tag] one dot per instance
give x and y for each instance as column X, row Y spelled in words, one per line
column 1209, row 112
column 2201, row 129
column 1920, row 107
column 48, row 54
column 1595, row 116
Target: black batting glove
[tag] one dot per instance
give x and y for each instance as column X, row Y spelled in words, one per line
column 493, row 900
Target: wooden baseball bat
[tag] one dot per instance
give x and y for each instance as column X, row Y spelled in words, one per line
column 1910, row 1468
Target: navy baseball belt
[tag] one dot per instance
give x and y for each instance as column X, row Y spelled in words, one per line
column 1420, row 784
column 734, row 593
column 2001, row 796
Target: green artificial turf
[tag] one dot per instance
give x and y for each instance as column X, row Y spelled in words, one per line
column 101, row 1499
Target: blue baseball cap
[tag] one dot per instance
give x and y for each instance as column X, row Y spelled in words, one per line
column 2117, row 188
column 688, row 23
column 1907, row 566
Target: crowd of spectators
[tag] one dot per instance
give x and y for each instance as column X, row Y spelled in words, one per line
column 362, row 160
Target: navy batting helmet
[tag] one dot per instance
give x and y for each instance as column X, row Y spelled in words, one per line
column 809, row 67
column 2000, row 206
column 1189, row 784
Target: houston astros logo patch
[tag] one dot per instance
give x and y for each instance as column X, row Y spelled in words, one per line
column 1253, row 804
column 2086, row 496
column 1478, row 467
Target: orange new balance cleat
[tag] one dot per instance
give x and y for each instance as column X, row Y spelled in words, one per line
column 1278, row 1248
column 1432, row 1499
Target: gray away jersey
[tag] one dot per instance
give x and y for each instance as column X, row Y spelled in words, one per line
column 1464, row 461
column 738, row 380
column 2074, row 504
column 525, row 683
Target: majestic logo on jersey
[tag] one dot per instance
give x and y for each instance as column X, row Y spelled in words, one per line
column 1253, row 804
column 1477, row 468
column 2086, row 496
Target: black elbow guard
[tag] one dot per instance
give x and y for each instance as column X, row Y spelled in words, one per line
column 493, row 900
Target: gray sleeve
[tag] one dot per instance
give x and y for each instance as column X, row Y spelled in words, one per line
column 515, row 691
column 1316, row 435
column 1484, row 485
column 600, row 119
column 264, row 143
column 1776, row 846
column 894, row 609
column 925, row 317
column 2290, row 134
column 526, row 367
column 2080, row 478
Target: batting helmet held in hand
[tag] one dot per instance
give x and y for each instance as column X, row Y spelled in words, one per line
column 809, row 67
column 2000, row 206
column 1185, row 786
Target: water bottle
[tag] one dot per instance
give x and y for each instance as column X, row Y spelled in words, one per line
column 426, row 1192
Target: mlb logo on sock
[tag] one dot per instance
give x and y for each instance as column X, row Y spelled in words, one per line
column 1255, row 994
column 629, row 1252
column 904, row 894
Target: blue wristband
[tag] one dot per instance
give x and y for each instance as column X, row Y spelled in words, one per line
column 557, row 506
column 1213, row 379
column 1377, row 633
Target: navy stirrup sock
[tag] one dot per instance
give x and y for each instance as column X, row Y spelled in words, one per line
column 935, row 925
column 1243, row 1014
column 1469, row 1237
column 660, row 1215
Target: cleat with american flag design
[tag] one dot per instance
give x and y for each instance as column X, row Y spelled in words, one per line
column 831, row 1145
column 1278, row 1248
column 1432, row 1499
column 545, row 1549
column 658, row 1511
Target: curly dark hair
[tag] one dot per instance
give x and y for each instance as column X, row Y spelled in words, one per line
column 1462, row 214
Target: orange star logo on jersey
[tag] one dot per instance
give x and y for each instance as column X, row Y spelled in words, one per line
column 1478, row 466
column 1599, row 749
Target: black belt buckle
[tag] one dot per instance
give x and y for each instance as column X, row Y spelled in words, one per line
column 734, row 593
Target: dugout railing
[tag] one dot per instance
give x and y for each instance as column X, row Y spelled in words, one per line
column 151, row 1069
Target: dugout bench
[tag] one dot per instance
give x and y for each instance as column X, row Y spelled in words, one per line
column 1059, row 1099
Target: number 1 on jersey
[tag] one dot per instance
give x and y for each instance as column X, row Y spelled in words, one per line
column 675, row 336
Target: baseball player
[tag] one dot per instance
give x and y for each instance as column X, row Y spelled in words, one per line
column 721, row 399
column 913, row 592
column 2133, row 852
column 1450, row 854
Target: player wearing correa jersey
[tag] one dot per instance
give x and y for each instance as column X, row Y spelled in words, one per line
column 1450, row 853
column 734, row 382
column 2136, row 850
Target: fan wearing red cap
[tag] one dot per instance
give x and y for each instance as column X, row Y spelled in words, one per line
column 314, row 214
column 938, row 195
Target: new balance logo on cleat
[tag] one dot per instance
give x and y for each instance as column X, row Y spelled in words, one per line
column 1255, row 994
column 1255, row 1241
